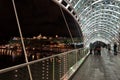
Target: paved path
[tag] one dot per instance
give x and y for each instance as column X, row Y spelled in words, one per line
column 104, row 67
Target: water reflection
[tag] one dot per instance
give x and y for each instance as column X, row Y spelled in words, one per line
column 13, row 55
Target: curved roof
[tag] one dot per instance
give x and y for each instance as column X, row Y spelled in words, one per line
column 99, row 19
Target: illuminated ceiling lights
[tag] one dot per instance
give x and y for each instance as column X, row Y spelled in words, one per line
column 98, row 15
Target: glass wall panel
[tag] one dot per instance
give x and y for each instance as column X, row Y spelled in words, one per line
column 45, row 28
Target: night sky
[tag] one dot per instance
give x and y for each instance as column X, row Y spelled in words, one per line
column 36, row 17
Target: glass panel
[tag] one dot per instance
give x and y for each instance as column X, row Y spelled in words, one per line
column 17, row 74
column 44, row 29
column 11, row 52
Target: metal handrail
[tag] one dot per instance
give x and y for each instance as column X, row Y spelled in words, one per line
column 32, row 62
column 68, row 61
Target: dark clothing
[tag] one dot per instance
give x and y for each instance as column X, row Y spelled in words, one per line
column 97, row 50
column 115, row 49
column 91, row 48
column 109, row 47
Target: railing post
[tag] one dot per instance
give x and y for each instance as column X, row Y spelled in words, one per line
column 53, row 68
column 76, row 57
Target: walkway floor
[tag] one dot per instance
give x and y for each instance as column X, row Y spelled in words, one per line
column 104, row 67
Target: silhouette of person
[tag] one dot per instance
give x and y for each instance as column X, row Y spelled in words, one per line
column 115, row 49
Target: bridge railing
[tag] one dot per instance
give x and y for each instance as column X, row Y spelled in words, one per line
column 55, row 67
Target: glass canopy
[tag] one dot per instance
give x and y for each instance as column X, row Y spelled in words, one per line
column 98, row 19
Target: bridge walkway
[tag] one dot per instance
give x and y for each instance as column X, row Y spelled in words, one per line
column 104, row 67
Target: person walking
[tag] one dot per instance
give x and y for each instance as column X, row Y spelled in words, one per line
column 109, row 47
column 115, row 49
column 91, row 48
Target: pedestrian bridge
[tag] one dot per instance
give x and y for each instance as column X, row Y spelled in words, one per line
column 72, row 65
column 28, row 26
